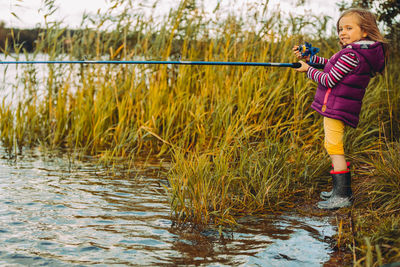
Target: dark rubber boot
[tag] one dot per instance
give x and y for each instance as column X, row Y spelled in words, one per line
column 327, row 194
column 342, row 195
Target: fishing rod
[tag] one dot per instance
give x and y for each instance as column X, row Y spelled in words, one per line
column 215, row 63
column 305, row 50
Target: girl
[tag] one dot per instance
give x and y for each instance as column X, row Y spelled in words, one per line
column 341, row 88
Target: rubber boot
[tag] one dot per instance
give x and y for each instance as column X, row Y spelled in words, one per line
column 342, row 195
column 327, row 194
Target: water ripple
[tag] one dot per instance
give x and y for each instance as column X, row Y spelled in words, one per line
column 56, row 213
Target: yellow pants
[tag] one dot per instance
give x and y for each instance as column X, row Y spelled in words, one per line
column 334, row 132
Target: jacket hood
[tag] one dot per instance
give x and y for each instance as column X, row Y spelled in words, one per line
column 372, row 52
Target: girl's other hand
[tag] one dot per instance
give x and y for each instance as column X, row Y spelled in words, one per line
column 304, row 67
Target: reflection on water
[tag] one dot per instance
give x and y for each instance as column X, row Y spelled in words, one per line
column 57, row 213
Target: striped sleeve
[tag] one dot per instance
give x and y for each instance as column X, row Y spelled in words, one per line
column 319, row 60
column 345, row 64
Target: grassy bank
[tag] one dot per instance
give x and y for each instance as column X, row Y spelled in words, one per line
column 242, row 140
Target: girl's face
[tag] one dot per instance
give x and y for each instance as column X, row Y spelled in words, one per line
column 349, row 30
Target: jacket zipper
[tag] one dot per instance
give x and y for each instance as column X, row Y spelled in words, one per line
column 323, row 109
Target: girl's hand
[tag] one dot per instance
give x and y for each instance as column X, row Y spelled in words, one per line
column 304, row 67
column 298, row 54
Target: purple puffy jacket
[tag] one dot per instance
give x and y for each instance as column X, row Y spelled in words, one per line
column 344, row 100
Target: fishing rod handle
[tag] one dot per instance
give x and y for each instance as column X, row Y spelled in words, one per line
column 297, row 65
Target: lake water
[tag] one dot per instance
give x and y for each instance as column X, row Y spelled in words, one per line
column 57, row 211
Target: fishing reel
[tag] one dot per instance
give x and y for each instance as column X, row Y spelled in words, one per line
column 307, row 50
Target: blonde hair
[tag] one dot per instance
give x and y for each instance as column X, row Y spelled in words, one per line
column 367, row 23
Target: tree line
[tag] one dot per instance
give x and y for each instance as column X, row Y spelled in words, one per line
column 11, row 38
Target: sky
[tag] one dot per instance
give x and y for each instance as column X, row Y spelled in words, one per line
column 31, row 14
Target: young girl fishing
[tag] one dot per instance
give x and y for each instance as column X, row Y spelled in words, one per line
column 341, row 88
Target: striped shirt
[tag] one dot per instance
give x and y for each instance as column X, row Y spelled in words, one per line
column 345, row 64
